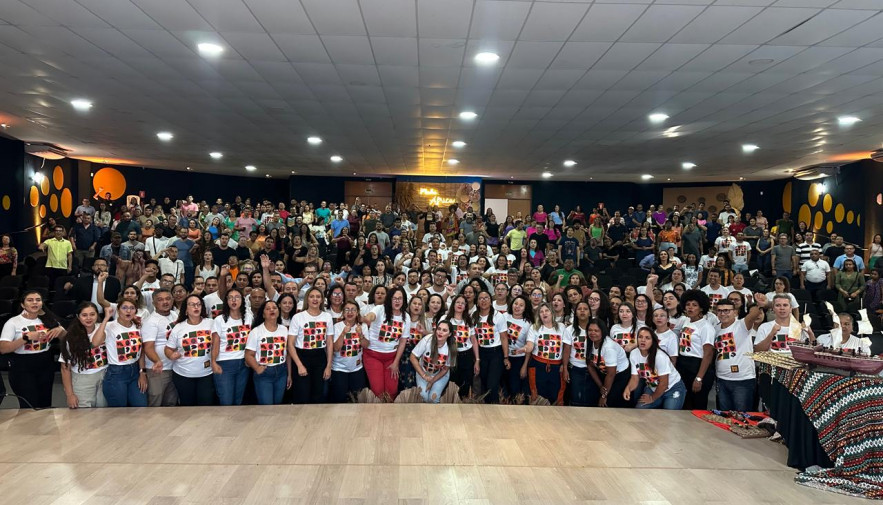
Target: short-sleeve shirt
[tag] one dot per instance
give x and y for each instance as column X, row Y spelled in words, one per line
column 549, row 342
column 194, row 343
column 651, row 374
column 384, row 336
column 611, row 355
column 19, row 326
column 123, row 343
column 269, row 346
column 694, row 336
column 156, row 329
column 311, row 332
column 56, row 254
column 731, row 344
column 517, row 330
column 232, row 336
column 349, row 358
column 423, row 351
column 96, row 360
column 488, row 329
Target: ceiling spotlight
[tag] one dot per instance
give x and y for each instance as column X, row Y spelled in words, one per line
column 81, row 104
column 188, row 168
column 314, row 140
column 165, row 136
column 293, row 172
column 4, row 125
column 38, row 177
column 453, row 161
column 822, row 187
column 216, row 155
column 267, row 176
column 569, row 163
column 251, row 168
column 847, row 120
column 486, row 58
column 741, row 178
column 749, row 148
column 458, row 144
column 468, row 115
column 646, row 177
column 546, row 175
column 657, row 117
column 336, row 159
column 209, row 49
column 687, row 165
column 668, row 179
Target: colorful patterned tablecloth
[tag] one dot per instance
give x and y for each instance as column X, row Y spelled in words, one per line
column 848, row 414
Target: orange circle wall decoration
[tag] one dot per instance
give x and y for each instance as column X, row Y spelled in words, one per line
column 805, row 214
column 786, row 197
column 839, row 212
column 44, row 186
column 827, row 202
column 53, row 203
column 109, row 180
column 7, row 202
column 850, row 217
column 34, row 196
column 813, row 194
column 830, row 227
column 67, row 201
column 58, row 177
column 42, row 211
column 819, row 220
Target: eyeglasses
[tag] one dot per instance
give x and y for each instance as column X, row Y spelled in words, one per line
column 232, row 298
column 350, row 310
column 127, row 308
column 194, row 304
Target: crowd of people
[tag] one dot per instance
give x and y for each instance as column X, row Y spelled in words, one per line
column 196, row 303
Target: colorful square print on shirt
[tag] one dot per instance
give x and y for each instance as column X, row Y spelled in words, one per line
column 34, row 345
column 352, row 346
column 648, row 374
column 196, row 344
column 314, row 335
column 725, row 345
column 128, row 345
column 549, row 346
column 685, row 343
column 237, row 336
column 272, row 351
column 485, row 333
column 391, row 332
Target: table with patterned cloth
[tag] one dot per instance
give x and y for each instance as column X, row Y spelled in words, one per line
column 828, row 420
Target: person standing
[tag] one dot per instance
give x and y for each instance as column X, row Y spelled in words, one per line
column 82, row 364
column 155, row 330
column 493, row 345
column 229, row 336
column 266, row 354
column 347, row 370
column 125, row 382
column 733, row 369
column 695, row 350
column 59, row 255
column 388, row 330
column 784, row 258
column 310, row 344
column 189, row 348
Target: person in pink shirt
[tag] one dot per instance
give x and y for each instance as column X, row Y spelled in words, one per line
column 189, row 206
column 246, row 223
column 540, row 215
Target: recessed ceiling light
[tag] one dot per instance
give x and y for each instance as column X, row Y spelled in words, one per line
column 458, row 144
column 314, row 140
column 165, row 136
column 749, row 148
column 657, row 117
column 668, row 179
column 468, row 115
column 267, row 176
column 546, row 175
column 4, row 125
column 486, row 58
column 209, row 49
column 251, row 168
column 453, row 161
column 216, row 155
column 292, row 172
column 687, row 165
column 354, row 173
column 188, row 168
column 646, row 177
column 847, row 120
column 569, row 163
column 81, row 104
column 336, row 159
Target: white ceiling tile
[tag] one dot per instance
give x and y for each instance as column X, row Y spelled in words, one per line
column 494, row 19
column 476, row 77
column 533, row 54
column 349, row 49
column 681, row 80
column 367, row 94
column 859, row 35
column 254, row 46
column 442, row 52
column 399, row 76
column 121, row 15
column 552, row 21
column 317, row 73
column 277, row 72
column 660, row 22
column 395, row 50
column 227, row 15
column 769, row 24
column 160, row 42
column 114, row 42
column 599, row 79
column 173, row 15
column 875, row 5
column 625, row 56
column 775, row 53
column 359, row 75
column 809, row 59
column 335, row 17
column 828, row 23
column 864, row 61
column 672, row 56
column 302, row 48
column 560, row 79
column 390, row 18
column 607, row 22
column 439, row 77
column 640, row 79
column 720, row 81
column 282, row 16
column 65, row 41
column 17, row 13
column 821, row 4
column 444, row 20
column 714, row 24
column 580, row 54
column 717, row 57
column 519, row 78
column 70, row 14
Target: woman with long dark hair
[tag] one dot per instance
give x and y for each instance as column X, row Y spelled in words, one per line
column 389, row 326
column 663, row 386
column 125, row 382
column 28, row 335
column 190, row 349
column 432, row 358
column 347, row 371
column 573, row 366
column 608, row 368
column 310, row 344
column 551, row 341
column 82, row 364
column 265, row 354
column 469, row 364
column 518, row 322
column 493, row 346
column 230, row 332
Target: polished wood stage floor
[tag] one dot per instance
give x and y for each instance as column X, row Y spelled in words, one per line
column 414, row 454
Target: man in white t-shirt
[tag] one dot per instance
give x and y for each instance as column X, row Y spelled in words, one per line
column 724, row 243
column 155, row 330
column 815, row 274
column 170, row 264
column 740, row 253
column 715, row 291
column 774, row 335
column 734, row 370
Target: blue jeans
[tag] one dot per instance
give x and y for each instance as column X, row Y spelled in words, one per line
column 121, row 386
column 735, row 395
column 230, row 385
column 673, row 399
column 579, row 379
column 270, row 385
column 434, row 393
column 739, row 268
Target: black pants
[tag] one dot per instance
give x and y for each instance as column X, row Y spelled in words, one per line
column 491, row 372
column 688, row 367
column 463, row 375
column 31, row 377
column 310, row 389
column 345, row 385
column 614, row 396
column 194, row 391
column 515, row 385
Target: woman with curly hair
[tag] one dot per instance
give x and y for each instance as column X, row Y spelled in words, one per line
column 82, row 364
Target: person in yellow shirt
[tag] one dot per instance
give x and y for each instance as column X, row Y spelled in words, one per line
column 59, row 253
column 516, row 238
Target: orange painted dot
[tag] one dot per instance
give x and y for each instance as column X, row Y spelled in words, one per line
column 34, row 196
column 819, row 219
column 786, row 198
column 53, row 203
column 827, row 202
column 42, row 211
column 67, row 201
column 830, row 227
column 58, row 177
column 44, row 186
column 805, row 214
column 850, row 217
column 7, row 202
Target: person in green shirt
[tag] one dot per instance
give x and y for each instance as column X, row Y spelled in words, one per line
column 561, row 277
column 786, row 226
column 516, row 237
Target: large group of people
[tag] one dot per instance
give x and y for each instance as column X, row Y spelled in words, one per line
column 196, row 303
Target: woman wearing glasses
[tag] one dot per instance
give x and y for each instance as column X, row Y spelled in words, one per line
column 347, row 370
column 125, row 382
column 189, row 348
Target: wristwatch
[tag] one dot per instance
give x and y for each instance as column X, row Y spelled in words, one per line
column 143, row 370
column 698, row 379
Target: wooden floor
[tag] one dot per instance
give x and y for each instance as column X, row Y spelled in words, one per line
column 414, row 454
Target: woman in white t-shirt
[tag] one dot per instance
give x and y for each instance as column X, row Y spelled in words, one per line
column 82, row 364
column 551, row 341
column 468, row 364
column 696, row 350
column 847, row 341
column 574, row 369
column 131, row 293
column 493, row 347
column 125, row 381
column 518, row 322
column 608, row 367
column 388, row 330
column 310, row 344
column 347, row 371
column 501, row 298
column 419, row 329
column 668, row 339
column 229, row 335
column 266, row 352
column 432, row 359
column 190, row 349
column 663, row 386
column 623, row 332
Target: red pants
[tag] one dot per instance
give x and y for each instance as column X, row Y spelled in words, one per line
column 380, row 378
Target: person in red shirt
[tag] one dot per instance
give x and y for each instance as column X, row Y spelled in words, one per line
column 737, row 226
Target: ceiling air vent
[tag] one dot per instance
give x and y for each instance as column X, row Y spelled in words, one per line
column 45, row 150
column 816, row 172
